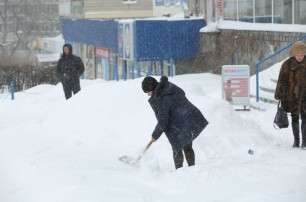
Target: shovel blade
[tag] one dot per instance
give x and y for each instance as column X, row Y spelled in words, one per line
column 130, row 161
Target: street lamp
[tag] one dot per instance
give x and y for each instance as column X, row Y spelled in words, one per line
column 2, row 50
column 19, row 34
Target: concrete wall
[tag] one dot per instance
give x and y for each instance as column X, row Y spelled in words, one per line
column 229, row 47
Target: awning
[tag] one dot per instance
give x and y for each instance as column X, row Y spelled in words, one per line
column 51, row 57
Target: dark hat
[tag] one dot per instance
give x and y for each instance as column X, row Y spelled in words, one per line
column 149, row 84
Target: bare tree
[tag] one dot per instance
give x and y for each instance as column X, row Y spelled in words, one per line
column 24, row 20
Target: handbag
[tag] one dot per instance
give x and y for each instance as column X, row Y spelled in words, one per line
column 281, row 118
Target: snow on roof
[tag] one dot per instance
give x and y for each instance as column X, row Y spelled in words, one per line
column 58, row 38
column 236, row 25
column 51, row 57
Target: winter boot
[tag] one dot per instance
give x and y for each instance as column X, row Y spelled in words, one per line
column 296, row 135
column 303, row 128
column 189, row 154
column 296, row 143
column 178, row 159
column 303, row 145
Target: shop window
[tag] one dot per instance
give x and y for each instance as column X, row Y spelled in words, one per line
column 300, row 12
column 287, row 12
column 245, row 10
column 230, row 9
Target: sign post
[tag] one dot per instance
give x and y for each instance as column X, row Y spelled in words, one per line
column 236, row 85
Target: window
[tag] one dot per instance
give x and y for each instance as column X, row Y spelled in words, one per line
column 230, row 9
column 300, row 12
column 245, row 9
column 129, row 1
column 159, row 2
column 266, row 11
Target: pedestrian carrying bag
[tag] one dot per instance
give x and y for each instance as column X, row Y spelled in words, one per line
column 281, row 118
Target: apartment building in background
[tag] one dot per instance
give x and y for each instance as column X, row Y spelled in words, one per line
column 122, row 9
column 106, row 9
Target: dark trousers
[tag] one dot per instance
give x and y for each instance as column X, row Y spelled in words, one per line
column 295, row 122
column 70, row 87
column 189, row 155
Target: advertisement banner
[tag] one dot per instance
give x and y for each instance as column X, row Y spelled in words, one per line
column 120, row 40
column 126, row 40
column 236, row 84
column 220, row 8
column 90, row 63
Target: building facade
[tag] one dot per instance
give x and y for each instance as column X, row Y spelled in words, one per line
column 266, row 11
column 122, row 9
column 106, row 9
column 243, row 46
column 127, row 49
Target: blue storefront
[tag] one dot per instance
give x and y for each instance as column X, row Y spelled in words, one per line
column 135, row 47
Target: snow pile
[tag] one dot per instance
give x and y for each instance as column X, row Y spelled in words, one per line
column 53, row 150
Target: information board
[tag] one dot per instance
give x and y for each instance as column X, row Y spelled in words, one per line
column 236, row 84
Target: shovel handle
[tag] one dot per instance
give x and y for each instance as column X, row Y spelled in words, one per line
column 148, row 146
column 145, row 149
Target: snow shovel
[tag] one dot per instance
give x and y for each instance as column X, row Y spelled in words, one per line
column 132, row 161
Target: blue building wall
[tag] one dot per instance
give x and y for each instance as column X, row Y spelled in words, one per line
column 185, row 40
column 103, row 33
column 155, row 40
column 152, row 40
column 162, row 40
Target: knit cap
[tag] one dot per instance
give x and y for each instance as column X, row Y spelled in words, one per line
column 149, row 84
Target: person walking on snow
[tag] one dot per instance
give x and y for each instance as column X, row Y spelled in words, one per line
column 177, row 117
column 69, row 69
column 291, row 90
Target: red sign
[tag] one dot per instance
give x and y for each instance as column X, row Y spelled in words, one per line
column 220, row 7
column 102, row 52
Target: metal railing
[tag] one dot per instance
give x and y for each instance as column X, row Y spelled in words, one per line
column 267, row 62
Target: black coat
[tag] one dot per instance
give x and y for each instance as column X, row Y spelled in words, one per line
column 181, row 121
column 69, row 68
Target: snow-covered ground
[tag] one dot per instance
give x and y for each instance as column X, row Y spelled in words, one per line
column 53, row 150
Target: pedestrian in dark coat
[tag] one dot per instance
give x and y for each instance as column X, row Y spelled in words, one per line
column 69, row 69
column 291, row 90
column 177, row 117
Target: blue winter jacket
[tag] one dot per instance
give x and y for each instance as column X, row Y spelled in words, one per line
column 177, row 117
